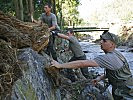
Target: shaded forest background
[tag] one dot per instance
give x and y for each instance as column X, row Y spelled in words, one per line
column 67, row 11
column 30, row 10
column 117, row 14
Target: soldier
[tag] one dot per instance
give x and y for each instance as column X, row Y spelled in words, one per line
column 78, row 54
column 51, row 20
column 116, row 67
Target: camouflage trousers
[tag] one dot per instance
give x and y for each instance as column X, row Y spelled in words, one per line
column 123, row 91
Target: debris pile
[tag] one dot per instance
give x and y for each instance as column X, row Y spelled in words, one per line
column 23, row 34
column 10, row 69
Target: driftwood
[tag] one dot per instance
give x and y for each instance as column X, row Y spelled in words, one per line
column 23, row 34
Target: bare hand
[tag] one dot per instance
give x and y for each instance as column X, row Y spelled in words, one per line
column 55, row 64
column 94, row 82
column 49, row 29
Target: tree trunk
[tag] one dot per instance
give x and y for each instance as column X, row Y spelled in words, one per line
column 54, row 7
column 31, row 9
column 21, row 10
column 16, row 8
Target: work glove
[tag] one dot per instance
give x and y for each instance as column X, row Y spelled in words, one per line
column 61, row 51
column 54, row 33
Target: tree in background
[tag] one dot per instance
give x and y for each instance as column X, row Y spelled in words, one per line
column 7, row 6
column 22, row 9
column 67, row 10
column 117, row 10
column 28, row 10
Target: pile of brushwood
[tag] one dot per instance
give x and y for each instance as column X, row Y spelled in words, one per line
column 15, row 35
column 9, row 68
column 22, row 34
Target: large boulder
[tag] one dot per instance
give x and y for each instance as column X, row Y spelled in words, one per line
column 36, row 83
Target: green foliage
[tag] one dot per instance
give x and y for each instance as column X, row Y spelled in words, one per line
column 67, row 12
column 38, row 7
column 7, row 6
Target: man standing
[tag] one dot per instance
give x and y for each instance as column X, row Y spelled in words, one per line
column 51, row 20
column 78, row 54
column 116, row 68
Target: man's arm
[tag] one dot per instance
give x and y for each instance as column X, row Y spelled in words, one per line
column 98, row 79
column 52, row 28
column 40, row 20
column 54, row 23
column 76, row 64
column 63, row 36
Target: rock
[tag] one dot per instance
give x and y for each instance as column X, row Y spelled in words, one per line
column 130, row 50
column 83, row 90
column 36, row 83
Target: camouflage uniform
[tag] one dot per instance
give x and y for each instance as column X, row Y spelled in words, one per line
column 118, row 74
column 121, row 81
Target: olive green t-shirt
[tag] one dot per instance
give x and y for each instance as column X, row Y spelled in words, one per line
column 109, row 61
column 75, row 47
column 50, row 20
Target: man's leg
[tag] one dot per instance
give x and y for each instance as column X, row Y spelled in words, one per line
column 51, row 47
column 84, row 72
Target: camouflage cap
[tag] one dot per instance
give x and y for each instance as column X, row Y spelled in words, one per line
column 109, row 36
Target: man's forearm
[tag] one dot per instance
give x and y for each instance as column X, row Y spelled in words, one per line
column 79, row 64
column 63, row 36
column 51, row 28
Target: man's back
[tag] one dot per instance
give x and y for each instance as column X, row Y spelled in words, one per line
column 75, row 47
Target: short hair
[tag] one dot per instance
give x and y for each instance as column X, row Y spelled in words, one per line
column 48, row 4
column 71, row 31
